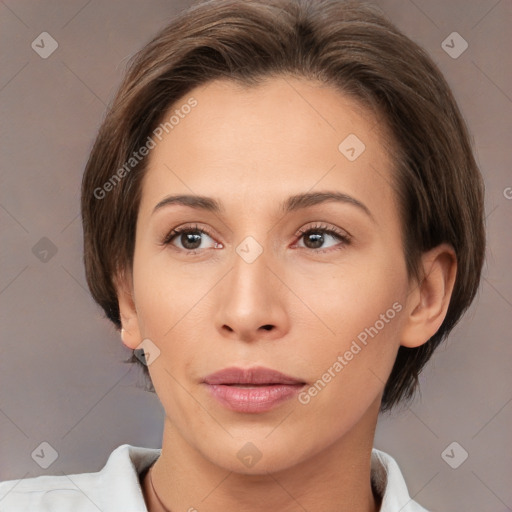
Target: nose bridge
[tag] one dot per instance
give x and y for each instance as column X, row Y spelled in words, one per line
column 252, row 301
column 250, row 274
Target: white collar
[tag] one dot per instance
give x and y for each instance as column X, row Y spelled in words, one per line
column 117, row 487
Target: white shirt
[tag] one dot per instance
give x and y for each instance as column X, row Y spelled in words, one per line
column 116, row 487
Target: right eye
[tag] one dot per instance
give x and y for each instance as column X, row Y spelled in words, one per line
column 189, row 238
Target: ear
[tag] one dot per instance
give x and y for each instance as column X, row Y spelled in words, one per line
column 428, row 300
column 130, row 332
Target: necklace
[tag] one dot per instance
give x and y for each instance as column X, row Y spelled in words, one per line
column 164, row 509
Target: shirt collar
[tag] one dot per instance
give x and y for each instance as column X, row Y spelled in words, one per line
column 386, row 477
column 390, row 484
column 117, row 486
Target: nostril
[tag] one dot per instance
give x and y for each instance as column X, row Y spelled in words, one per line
column 267, row 327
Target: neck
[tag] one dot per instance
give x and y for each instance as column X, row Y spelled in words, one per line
column 336, row 479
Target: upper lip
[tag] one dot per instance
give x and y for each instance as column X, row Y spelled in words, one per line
column 257, row 375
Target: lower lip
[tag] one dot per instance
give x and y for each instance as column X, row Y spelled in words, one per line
column 253, row 400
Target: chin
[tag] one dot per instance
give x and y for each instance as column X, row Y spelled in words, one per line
column 258, row 455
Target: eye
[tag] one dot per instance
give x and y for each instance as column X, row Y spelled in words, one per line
column 190, row 239
column 322, row 237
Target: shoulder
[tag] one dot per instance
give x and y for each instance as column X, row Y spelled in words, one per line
column 116, row 484
column 390, row 484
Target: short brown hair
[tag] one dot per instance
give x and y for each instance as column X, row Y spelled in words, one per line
column 344, row 44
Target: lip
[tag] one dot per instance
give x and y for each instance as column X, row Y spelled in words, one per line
column 252, row 390
column 258, row 375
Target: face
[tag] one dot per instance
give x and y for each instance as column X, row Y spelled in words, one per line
column 299, row 269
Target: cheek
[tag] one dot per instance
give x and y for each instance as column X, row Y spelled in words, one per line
column 354, row 313
column 174, row 308
column 166, row 292
column 349, row 297
column 348, row 369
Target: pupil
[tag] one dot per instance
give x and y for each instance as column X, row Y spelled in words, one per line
column 317, row 240
column 191, row 241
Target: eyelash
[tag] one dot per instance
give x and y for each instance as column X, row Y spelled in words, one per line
column 342, row 237
column 345, row 238
column 187, row 229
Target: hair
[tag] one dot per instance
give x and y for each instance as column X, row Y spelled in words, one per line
column 346, row 45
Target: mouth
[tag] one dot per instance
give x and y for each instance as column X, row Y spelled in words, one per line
column 250, row 377
column 249, row 385
column 252, row 390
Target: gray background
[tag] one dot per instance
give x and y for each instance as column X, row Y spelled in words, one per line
column 62, row 379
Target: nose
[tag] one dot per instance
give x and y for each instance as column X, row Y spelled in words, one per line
column 252, row 302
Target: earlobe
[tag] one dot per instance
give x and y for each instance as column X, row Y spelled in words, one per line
column 130, row 332
column 428, row 303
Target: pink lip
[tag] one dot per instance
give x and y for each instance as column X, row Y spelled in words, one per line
column 263, row 388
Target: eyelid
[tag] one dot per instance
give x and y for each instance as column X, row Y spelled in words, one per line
column 344, row 237
column 184, row 229
column 327, row 228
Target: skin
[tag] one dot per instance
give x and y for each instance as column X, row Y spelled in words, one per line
column 250, row 149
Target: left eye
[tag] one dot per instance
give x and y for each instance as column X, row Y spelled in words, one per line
column 190, row 239
column 317, row 238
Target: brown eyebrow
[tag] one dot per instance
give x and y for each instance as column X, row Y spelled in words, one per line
column 293, row 203
column 299, row 201
column 193, row 201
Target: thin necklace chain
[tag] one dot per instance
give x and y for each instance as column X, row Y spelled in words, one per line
column 167, row 510
column 155, row 493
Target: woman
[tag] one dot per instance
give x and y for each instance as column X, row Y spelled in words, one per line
column 283, row 212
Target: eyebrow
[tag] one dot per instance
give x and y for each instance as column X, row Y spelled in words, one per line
column 293, row 203
column 299, row 201
column 192, row 201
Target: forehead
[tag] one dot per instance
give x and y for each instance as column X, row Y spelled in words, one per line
column 262, row 143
